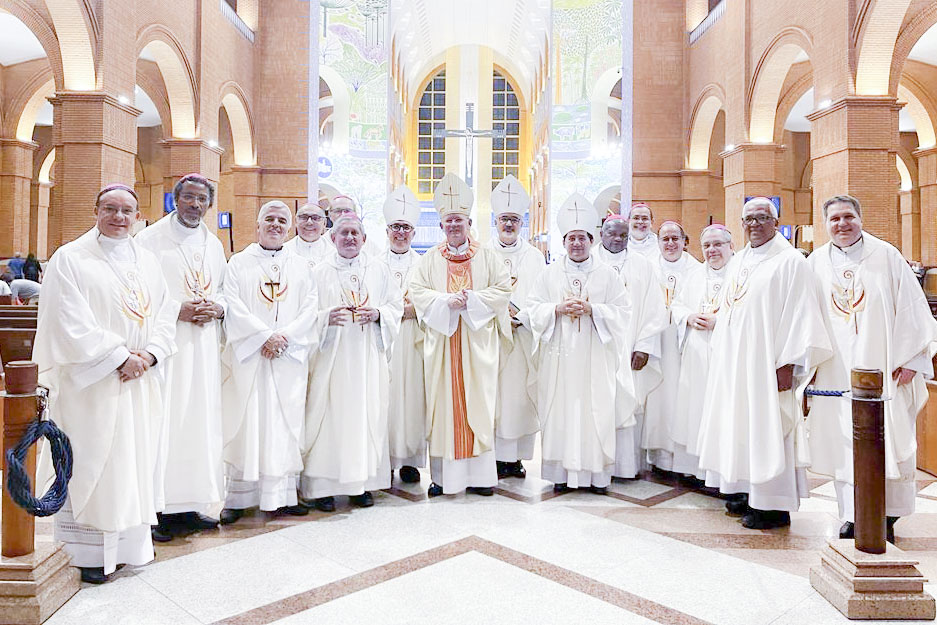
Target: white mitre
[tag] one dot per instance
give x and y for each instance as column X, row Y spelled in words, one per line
column 452, row 195
column 577, row 213
column 509, row 197
column 401, row 205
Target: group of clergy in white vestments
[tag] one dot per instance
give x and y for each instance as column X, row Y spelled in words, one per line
column 305, row 369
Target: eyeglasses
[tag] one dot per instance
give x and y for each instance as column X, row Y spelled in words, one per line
column 401, row 227
column 509, row 220
column 315, row 218
column 193, row 197
column 115, row 210
column 751, row 220
column 640, row 218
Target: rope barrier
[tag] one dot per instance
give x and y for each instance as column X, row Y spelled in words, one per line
column 815, row 392
column 17, row 482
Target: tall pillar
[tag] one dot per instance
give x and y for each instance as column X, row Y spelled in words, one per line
column 854, row 144
column 247, row 195
column 749, row 169
column 927, row 210
column 694, row 186
column 16, row 172
column 192, row 156
column 95, row 138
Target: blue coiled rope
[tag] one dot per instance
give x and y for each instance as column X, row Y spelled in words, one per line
column 17, row 480
column 815, row 392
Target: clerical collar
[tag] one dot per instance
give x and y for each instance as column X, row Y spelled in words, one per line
column 270, row 253
column 716, row 273
column 851, row 250
column 762, row 249
column 583, row 266
column 676, row 264
column 116, row 249
column 403, row 253
column 346, row 263
column 649, row 241
column 462, row 249
column 306, row 243
column 182, row 232
column 623, row 253
column 512, row 246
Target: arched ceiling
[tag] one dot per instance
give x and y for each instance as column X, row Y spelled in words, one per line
column 425, row 29
column 18, row 44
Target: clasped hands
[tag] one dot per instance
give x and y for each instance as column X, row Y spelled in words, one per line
column 345, row 315
column 136, row 365
column 701, row 321
column 200, row 312
column 274, row 346
column 458, row 300
column 574, row 307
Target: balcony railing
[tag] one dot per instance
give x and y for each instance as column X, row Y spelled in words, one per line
column 233, row 17
column 711, row 19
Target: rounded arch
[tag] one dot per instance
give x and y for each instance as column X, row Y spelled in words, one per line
column 43, row 32
column 156, row 91
column 923, row 124
column 341, row 105
column 788, row 99
column 768, row 80
column 711, row 101
column 71, row 31
column 907, row 37
column 26, row 110
column 903, row 173
column 601, row 94
column 156, row 41
column 878, row 24
column 242, row 128
column 45, row 170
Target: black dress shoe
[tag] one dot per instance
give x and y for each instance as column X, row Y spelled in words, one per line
column 484, row 491
column 197, row 522
column 296, row 510
column 409, row 475
column 93, row 574
column 848, row 530
column 325, row 504
column 560, row 488
column 516, row 469
column 766, row 519
column 160, row 534
column 434, row 490
column 890, row 528
column 503, row 469
column 738, row 506
column 230, row 515
column 599, row 490
column 364, row 500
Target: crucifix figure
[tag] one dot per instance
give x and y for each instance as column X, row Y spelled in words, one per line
column 469, row 134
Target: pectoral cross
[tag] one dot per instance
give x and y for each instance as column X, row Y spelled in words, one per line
column 273, row 288
column 469, row 133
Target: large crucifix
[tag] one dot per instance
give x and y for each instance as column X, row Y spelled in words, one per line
column 469, row 133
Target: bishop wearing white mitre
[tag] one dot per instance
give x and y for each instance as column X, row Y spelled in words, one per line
column 461, row 293
column 516, row 423
column 579, row 317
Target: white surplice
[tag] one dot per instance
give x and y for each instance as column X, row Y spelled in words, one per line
column 880, row 320
column 579, row 364
column 700, row 295
column 406, row 415
column 346, row 449
column 193, row 263
column 648, row 319
column 482, row 326
column 102, row 298
column 264, row 400
column 751, row 438
column 662, row 401
column 648, row 247
column 516, row 423
column 313, row 251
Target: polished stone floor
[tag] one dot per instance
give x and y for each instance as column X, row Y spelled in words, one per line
column 651, row 551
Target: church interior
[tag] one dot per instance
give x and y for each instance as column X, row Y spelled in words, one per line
column 688, row 106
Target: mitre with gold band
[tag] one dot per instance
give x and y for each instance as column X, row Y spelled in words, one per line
column 577, row 213
column 509, row 197
column 401, row 205
column 452, row 195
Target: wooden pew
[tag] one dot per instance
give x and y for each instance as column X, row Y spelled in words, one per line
column 18, row 322
column 16, row 343
column 17, row 311
column 6, row 299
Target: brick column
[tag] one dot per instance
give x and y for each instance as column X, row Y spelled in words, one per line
column 16, row 172
column 854, row 145
column 750, row 169
column 189, row 156
column 247, row 200
column 95, row 138
column 927, row 209
column 40, row 196
column 695, row 213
